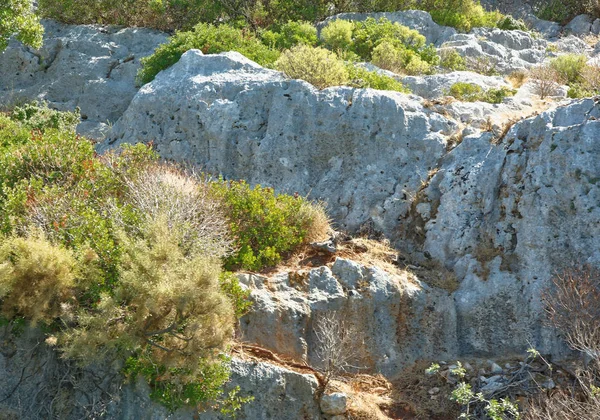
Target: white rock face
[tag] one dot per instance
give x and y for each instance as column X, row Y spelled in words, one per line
column 504, row 51
column 238, row 119
column 438, row 85
column 387, row 310
column 89, row 67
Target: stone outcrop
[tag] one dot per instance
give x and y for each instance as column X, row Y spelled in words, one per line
column 398, row 319
column 89, row 67
column 235, row 118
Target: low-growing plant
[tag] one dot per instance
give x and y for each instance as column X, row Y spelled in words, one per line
column 337, row 35
column 318, row 66
column 38, row 116
column 518, row 78
column 360, row 77
column 290, row 34
column 398, row 59
column 462, row 14
column 471, row 92
column 18, row 18
column 569, row 67
column 267, row 226
column 451, row 60
column 509, row 23
column 210, row 39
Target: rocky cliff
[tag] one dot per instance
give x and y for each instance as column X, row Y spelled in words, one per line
column 482, row 214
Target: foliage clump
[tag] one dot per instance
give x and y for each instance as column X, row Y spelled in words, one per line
column 210, row 39
column 470, row 92
column 317, row 66
column 121, row 257
column 267, row 226
column 17, row 18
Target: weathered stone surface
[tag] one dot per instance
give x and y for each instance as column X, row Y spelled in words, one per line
column 438, row 85
column 580, row 25
column 231, row 116
column 38, row 384
column 90, row 67
column 502, row 51
column 509, row 216
column 334, row 404
column 387, row 309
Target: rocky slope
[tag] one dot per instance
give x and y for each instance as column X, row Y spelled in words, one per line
column 482, row 214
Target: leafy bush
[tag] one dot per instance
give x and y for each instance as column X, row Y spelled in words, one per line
column 18, row 18
column 399, row 59
column 370, row 33
column 509, row 23
column 37, row 116
column 35, row 277
column 569, row 67
column 470, row 92
column 337, row 35
column 267, row 226
column 165, row 15
column 564, row 10
column 290, row 34
column 362, row 78
column 317, row 66
column 451, row 60
column 210, row 39
column 462, row 14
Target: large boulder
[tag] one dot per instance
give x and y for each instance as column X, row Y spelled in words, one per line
column 90, row 67
column 365, row 152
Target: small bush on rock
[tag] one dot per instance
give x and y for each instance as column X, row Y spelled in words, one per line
column 546, row 80
column 318, row 66
column 267, row 226
column 569, row 67
column 451, row 60
column 210, row 39
column 362, row 78
column 470, row 92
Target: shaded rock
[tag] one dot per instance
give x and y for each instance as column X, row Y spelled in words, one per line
column 580, row 25
column 90, row 67
column 334, row 404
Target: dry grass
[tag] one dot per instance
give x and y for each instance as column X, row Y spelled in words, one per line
column 518, row 78
column 319, row 222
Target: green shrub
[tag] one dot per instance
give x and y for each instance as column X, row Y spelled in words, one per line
column 451, row 60
column 462, row 14
column 267, row 226
column 509, row 23
column 337, row 35
column 291, row 34
column 399, row 59
column 37, row 116
column 362, row 78
column 165, row 15
column 239, row 296
column 564, row 10
column 370, row 33
column 569, row 67
column 210, row 39
column 470, row 92
column 35, row 278
column 317, row 66
column 17, row 18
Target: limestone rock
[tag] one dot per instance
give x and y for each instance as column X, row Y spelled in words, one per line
column 90, row 67
column 334, row 404
column 580, row 25
column 231, row 116
column 438, row 85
